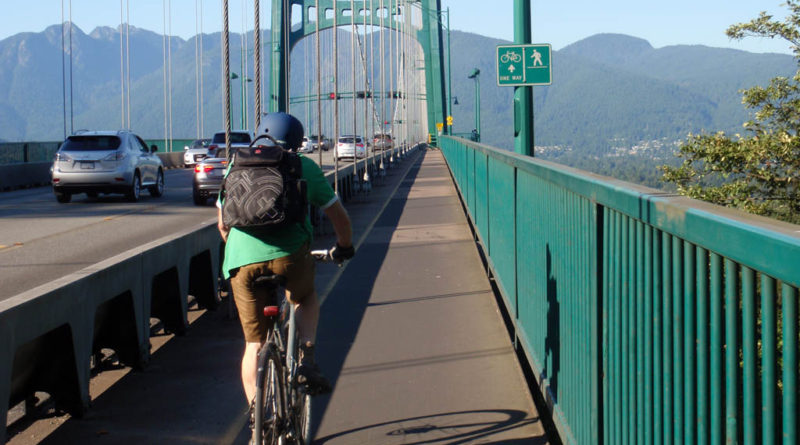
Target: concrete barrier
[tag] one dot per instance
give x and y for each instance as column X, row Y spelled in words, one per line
column 24, row 175
column 48, row 334
column 37, row 174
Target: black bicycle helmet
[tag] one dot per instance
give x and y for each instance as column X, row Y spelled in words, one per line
column 286, row 129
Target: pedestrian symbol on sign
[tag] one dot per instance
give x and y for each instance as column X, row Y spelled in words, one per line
column 537, row 58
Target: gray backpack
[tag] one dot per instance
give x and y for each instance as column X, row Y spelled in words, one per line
column 264, row 189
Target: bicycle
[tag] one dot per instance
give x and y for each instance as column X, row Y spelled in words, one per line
column 282, row 413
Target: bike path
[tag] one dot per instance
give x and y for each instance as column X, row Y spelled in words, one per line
column 411, row 335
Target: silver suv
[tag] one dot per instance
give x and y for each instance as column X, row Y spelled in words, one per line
column 94, row 162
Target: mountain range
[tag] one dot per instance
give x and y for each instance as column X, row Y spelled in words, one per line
column 608, row 90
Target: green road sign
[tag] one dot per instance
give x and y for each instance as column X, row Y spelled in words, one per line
column 524, row 65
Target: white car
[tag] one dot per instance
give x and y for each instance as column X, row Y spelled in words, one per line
column 307, row 146
column 195, row 152
column 350, row 146
column 94, row 162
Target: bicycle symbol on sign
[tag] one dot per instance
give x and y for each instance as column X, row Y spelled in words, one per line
column 511, row 56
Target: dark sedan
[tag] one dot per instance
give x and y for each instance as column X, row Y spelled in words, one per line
column 208, row 174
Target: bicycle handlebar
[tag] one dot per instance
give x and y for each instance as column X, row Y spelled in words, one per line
column 324, row 256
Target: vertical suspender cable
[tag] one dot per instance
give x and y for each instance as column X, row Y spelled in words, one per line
column 63, row 74
column 257, row 56
column 391, row 77
column 121, row 67
column 164, row 66
column 128, row 60
column 196, row 73
column 202, row 95
column 319, row 85
column 383, row 85
column 371, row 67
column 362, row 52
column 336, row 96
column 169, row 62
column 226, row 71
column 71, row 102
column 287, row 23
column 245, row 69
column 353, row 72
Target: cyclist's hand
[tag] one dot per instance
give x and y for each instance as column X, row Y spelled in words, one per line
column 339, row 253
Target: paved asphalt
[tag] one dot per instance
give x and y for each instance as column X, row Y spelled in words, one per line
column 410, row 335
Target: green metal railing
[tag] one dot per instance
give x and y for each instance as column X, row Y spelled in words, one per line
column 647, row 317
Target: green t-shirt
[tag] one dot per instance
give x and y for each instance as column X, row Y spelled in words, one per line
column 244, row 248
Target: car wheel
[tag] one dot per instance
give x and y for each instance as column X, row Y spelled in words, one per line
column 136, row 188
column 198, row 199
column 63, row 197
column 157, row 189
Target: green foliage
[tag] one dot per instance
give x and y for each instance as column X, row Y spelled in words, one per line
column 758, row 171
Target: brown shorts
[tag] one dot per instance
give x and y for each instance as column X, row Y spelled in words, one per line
column 298, row 268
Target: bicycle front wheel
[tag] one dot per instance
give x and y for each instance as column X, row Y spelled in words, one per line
column 269, row 404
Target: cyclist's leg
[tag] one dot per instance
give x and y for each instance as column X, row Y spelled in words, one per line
column 298, row 269
column 250, row 301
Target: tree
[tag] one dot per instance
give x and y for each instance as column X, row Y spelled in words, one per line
column 757, row 171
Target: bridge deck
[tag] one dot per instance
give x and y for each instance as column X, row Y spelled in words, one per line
column 410, row 335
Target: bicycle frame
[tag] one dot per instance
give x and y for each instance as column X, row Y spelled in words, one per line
column 293, row 411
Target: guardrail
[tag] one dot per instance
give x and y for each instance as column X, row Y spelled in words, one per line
column 646, row 317
column 48, row 334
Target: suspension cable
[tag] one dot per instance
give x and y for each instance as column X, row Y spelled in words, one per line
column 164, row 66
column 71, row 97
column 128, row 60
column 353, row 58
column 121, row 67
column 202, row 93
column 169, row 60
column 196, row 73
column 226, row 70
column 257, row 62
column 336, row 97
column 63, row 74
column 319, row 85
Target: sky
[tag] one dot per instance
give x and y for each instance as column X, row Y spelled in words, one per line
column 559, row 23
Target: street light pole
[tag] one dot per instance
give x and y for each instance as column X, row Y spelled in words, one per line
column 232, row 77
column 476, row 74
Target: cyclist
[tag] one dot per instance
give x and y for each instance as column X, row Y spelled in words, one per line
column 285, row 252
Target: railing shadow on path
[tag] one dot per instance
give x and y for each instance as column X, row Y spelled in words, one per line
column 348, row 300
column 450, row 428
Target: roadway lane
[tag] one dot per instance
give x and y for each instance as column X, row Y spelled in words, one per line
column 41, row 240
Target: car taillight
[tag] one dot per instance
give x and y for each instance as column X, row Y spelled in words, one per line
column 205, row 168
column 360, row 145
column 63, row 157
column 116, row 156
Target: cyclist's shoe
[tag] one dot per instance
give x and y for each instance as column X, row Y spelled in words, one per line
column 309, row 374
column 311, row 377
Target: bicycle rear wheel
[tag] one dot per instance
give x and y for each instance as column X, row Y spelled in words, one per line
column 269, row 404
column 301, row 417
